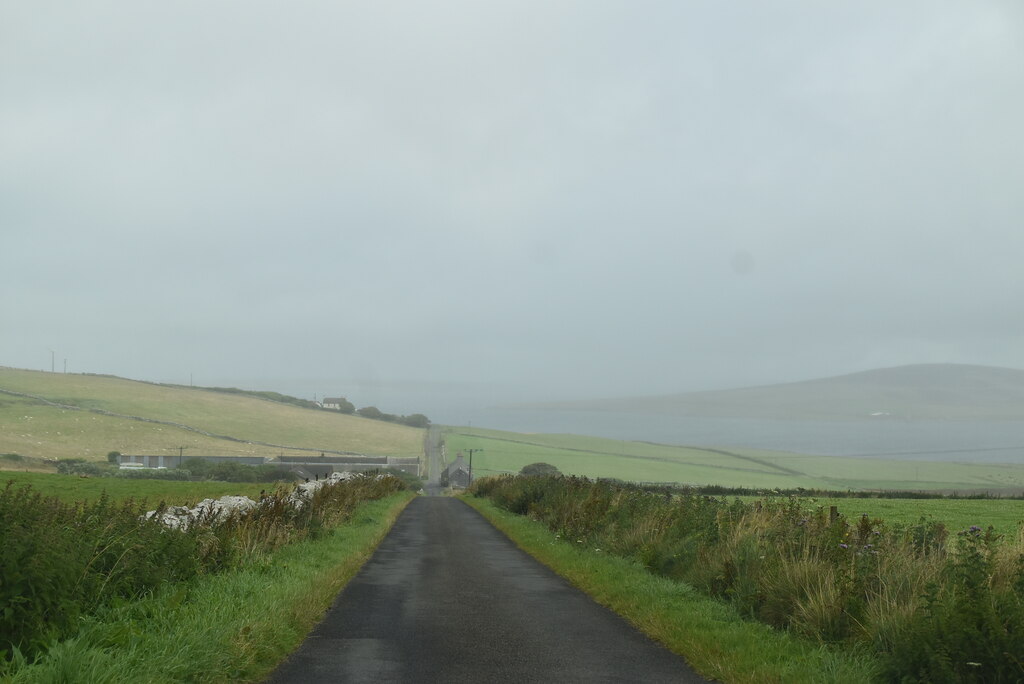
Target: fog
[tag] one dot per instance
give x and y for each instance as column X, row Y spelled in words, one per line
column 430, row 205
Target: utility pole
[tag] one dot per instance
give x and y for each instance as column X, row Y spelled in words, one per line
column 471, row 463
column 181, row 454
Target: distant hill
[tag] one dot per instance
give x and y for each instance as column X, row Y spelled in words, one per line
column 927, row 391
column 57, row 415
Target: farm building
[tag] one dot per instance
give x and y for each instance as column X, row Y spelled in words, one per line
column 175, row 460
column 303, row 466
column 325, row 464
column 456, row 474
column 337, row 404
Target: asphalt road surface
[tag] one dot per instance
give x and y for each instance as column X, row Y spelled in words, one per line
column 448, row 598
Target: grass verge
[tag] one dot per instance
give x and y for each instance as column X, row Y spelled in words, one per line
column 711, row 635
column 235, row 626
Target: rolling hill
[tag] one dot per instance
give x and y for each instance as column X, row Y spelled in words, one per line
column 56, row 415
column 927, row 391
column 507, row 452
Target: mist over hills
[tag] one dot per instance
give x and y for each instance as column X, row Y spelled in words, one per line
column 925, row 391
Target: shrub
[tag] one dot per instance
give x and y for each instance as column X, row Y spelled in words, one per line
column 934, row 611
column 154, row 474
column 60, row 561
column 540, row 469
column 416, row 420
column 233, row 471
column 971, row 629
column 371, row 412
column 79, row 466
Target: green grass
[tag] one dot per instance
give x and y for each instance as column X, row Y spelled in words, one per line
column 230, row 627
column 36, row 429
column 712, row 636
column 643, row 462
column 1005, row 516
column 71, row 488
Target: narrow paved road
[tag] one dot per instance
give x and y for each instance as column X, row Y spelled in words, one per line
column 448, row 598
column 432, row 446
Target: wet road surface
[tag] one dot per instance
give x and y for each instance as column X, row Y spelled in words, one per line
column 448, row 598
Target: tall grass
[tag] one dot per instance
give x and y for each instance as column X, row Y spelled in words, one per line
column 60, row 562
column 231, row 626
column 935, row 607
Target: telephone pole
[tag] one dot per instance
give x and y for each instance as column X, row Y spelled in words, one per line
column 471, row 463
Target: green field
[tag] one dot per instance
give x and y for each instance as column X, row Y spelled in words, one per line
column 72, row 488
column 958, row 514
column 643, row 462
column 36, row 429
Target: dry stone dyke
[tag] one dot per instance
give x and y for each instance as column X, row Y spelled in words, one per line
column 212, row 510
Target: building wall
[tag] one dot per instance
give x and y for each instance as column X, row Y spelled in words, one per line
column 173, row 460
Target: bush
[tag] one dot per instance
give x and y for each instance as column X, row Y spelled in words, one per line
column 371, row 412
column 540, row 469
column 59, row 562
column 154, row 474
column 413, row 482
column 79, row 466
column 972, row 625
column 416, row 420
column 933, row 613
column 233, row 471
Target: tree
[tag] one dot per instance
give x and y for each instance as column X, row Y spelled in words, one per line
column 113, row 456
column 417, row 420
column 540, row 469
column 371, row 412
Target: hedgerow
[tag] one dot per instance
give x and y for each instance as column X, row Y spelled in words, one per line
column 60, row 561
column 935, row 609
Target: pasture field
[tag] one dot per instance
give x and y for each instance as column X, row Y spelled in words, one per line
column 33, row 428
column 72, row 488
column 597, row 457
column 1004, row 515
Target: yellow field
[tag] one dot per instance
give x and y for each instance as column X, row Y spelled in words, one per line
column 35, row 429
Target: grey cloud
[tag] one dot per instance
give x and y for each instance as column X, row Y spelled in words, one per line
column 568, row 199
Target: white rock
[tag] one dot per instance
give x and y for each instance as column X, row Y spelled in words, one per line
column 182, row 517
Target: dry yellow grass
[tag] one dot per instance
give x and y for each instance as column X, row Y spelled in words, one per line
column 36, row 429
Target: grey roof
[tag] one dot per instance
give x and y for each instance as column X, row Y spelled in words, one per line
column 458, row 464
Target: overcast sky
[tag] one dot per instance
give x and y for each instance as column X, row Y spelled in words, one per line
column 509, row 199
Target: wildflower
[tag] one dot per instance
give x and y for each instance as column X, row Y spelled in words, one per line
column 844, row 546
